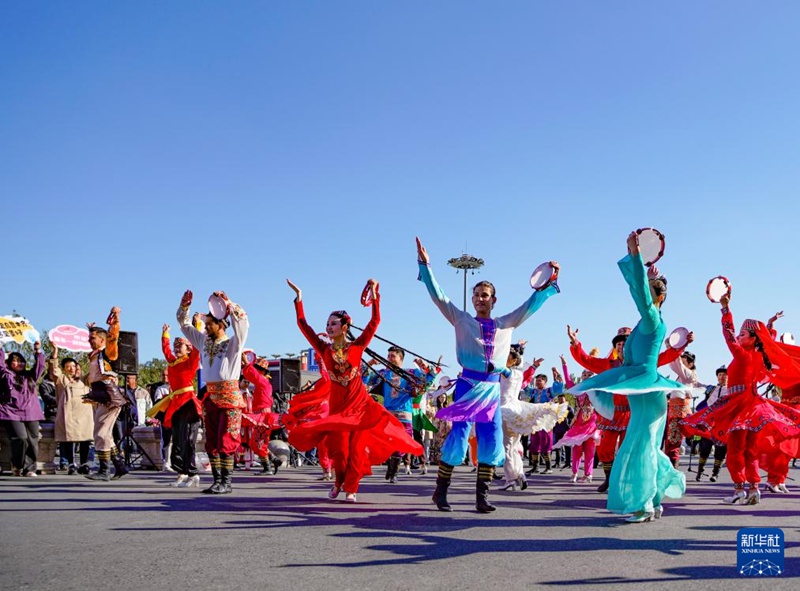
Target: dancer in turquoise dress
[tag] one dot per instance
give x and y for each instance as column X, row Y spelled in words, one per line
column 642, row 474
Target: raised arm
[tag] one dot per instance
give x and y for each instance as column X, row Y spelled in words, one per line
column 196, row 338
column 526, row 310
column 307, row 331
column 165, row 348
column 39, row 361
column 567, row 379
column 633, row 270
column 372, row 326
column 112, row 341
column 729, row 328
column 593, row 364
column 446, row 307
column 240, row 323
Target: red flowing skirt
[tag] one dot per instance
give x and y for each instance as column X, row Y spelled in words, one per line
column 777, row 425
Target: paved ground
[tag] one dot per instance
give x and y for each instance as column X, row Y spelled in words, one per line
column 281, row 532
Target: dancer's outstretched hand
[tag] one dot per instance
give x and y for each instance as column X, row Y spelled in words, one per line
column 633, row 243
column 422, row 254
column 572, row 334
column 186, row 300
column 298, row 292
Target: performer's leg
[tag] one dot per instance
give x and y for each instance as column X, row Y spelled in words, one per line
column 705, row 451
column 588, row 458
column 212, row 446
column 577, row 451
column 230, row 437
column 338, row 448
column 453, row 451
column 104, row 423
column 490, row 454
column 66, row 450
column 356, row 459
column 720, row 452
column 605, row 453
column 752, row 474
column 324, row 458
column 736, row 464
column 180, row 435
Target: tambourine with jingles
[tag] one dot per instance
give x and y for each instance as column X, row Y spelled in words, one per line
column 544, row 275
column 218, row 306
column 366, row 295
column 718, row 288
column 651, row 245
column 678, row 338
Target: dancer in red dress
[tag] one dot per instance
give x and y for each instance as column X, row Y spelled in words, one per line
column 360, row 433
column 747, row 422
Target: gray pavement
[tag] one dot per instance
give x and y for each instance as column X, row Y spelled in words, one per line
column 281, row 532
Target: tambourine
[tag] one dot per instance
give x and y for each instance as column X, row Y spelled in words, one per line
column 718, row 288
column 787, row 338
column 543, row 275
column 445, row 382
column 250, row 355
column 218, row 306
column 366, row 295
column 651, row 245
column 678, row 338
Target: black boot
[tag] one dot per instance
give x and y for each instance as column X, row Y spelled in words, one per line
column 715, row 470
column 266, row 467
column 103, row 472
column 119, row 465
column 535, row 462
column 442, row 484
column 701, row 463
column 215, row 473
column 225, row 486
column 392, row 469
column 482, row 489
column 547, row 468
column 607, row 469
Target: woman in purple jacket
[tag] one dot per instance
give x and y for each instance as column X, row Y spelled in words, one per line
column 20, row 411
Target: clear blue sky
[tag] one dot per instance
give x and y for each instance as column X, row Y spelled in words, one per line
column 150, row 147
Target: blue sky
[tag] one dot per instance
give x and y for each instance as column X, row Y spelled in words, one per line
column 147, row 148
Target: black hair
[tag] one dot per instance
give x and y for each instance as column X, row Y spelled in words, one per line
column 515, row 357
column 620, row 338
column 659, row 286
column 15, row 355
column 488, row 284
column 398, row 350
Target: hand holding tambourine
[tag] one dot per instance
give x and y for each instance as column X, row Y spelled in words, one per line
column 370, row 293
column 545, row 275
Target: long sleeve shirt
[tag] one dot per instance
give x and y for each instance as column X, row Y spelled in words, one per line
column 482, row 346
column 221, row 360
column 19, row 400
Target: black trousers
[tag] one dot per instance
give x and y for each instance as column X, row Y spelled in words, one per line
column 67, row 450
column 719, row 450
column 24, row 439
column 185, row 424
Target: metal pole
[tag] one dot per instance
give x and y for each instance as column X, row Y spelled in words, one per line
column 465, row 290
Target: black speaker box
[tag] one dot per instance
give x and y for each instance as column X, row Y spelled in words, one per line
column 128, row 361
column 286, row 378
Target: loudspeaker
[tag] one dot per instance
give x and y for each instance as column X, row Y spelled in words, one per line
column 285, row 378
column 127, row 362
column 290, row 375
